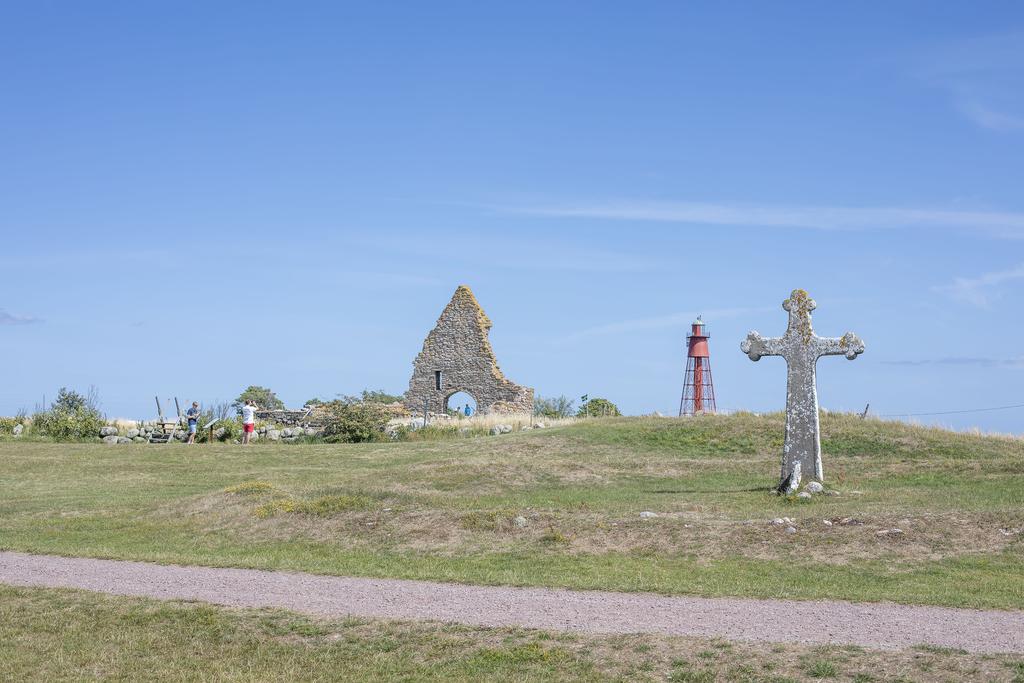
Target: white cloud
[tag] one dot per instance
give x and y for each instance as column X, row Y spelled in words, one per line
column 982, row 290
column 14, row 319
column 997, row 223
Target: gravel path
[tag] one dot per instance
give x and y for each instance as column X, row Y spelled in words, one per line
column 884, row 626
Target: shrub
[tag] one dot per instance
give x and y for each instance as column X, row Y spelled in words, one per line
column 227, row 421
column 264, row 398
column 7, row 424
column 561, row 406
column 354, row 422
column 71, row 416
column 598, row 407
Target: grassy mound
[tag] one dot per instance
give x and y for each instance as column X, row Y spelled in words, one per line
column 920, row 513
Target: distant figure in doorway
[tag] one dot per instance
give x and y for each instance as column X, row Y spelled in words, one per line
column 248, row 421
column 467, row 411
column 192, row 415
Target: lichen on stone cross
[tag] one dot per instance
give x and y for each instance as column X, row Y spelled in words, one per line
column 801, row 454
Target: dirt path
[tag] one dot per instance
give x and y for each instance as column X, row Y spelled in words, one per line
column 885, row 626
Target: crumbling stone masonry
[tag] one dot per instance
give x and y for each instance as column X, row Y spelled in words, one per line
column 457, row 356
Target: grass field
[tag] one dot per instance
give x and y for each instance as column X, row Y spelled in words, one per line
column 58, row 635
column 446, row 510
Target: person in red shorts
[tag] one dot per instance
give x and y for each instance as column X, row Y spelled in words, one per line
column 248, row 420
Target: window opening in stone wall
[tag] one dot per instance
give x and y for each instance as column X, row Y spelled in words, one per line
column 437, row 380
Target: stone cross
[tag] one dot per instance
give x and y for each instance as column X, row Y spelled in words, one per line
column 801, row 348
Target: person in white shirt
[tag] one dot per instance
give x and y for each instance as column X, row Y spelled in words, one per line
column 248, row 420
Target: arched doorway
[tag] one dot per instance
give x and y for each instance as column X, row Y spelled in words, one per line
column 456, row 404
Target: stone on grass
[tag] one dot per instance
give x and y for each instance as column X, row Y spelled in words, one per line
column 139, row 439
column 506, row 429
column 778, row 521
column 814, row 487
column 110, row 439
column 790, row 530
column 647, row 514
column 495, row 430
column 827, row 522
column 132, row 433
column 310, row 431
column 273, row 434
column 286, row 433
column 519, row 522
column 803, row 495
column 123, row 439
column 108, row 431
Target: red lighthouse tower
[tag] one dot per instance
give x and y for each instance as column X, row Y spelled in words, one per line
column 698, row 390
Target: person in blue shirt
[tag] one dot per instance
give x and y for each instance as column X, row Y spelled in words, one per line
column 192, row 414
column 467, row 410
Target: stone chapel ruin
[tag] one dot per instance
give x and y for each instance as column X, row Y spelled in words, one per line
column 457, row 356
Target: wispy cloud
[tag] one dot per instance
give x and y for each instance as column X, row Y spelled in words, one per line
column 983, row 77
column 980, row 291
column 660, row 322
column 1017, row 362
column 989, row 118
column 996, row 223
column 14, row 319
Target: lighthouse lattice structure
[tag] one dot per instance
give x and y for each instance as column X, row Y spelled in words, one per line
column 698, row 389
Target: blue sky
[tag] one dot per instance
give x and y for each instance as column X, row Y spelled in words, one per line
column 195, row 197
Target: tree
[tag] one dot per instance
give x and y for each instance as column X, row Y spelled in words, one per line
column 598, row 407
column 264, row 398
column 560, row 406
column 379, row 396
column 367, row 396
column 71, row 401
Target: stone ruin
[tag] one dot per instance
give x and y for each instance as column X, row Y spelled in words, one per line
column 457, row 356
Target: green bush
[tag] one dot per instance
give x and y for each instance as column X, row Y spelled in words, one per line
column 71, row 416
column 561, row 406
column 354, row 422
column 7, row 424
column 598, row 407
